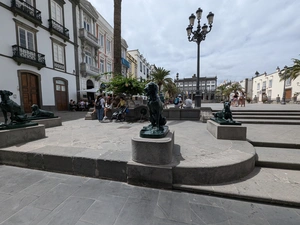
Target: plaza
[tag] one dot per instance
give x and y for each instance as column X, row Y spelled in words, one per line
column 60, row 185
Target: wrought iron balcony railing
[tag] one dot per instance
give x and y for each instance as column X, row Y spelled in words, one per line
column 58, row 29
column 24, row 55
column 28, row 11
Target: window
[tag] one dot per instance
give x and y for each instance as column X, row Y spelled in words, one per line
column 109, row 67
column 87, row 23
column 88, row 58
column 258, row 86
column 58, row 53
column 56, row 12
column 288, row 82
column 141, row 67
column 58, row 49
column 26, row 39
column 144, row 70
column 101, row 65
column 101, row 40
column 60, row 85
column 108, row 46
column 270, row 83
column 264, row 85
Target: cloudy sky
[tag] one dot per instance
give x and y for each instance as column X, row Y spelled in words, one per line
column 247, row 35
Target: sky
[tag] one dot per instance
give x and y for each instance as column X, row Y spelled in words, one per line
column 247, row 35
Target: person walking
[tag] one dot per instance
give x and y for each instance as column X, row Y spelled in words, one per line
column 99, row 107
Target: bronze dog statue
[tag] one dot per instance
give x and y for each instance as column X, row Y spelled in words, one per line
column 8, row 105
column 155, row 106
column 37, row 112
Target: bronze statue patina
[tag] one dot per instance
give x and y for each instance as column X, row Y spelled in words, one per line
column 224, row 117
column 38, row 113
column 17, row 116
column 157, row 128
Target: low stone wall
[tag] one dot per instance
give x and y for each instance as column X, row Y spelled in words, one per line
column 188, row 114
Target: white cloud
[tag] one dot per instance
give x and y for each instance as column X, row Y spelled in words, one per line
column 247, row 35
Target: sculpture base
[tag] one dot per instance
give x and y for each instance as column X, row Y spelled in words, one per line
column 49, row 122
column 21, row 135
column 150, row 132
column 16, row 125
column 227, row 132
column 153, row 151
column 225, row 122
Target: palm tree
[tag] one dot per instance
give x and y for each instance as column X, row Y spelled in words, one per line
column 117, row 37
column 159, row 76
column 295, row 69
column 170, row 90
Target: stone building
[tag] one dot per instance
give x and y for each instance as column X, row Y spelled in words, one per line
column 188, row 87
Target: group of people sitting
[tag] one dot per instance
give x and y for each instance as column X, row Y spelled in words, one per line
column 238, row 99
column 186, row 104
column 104, row 104
column 79, row 106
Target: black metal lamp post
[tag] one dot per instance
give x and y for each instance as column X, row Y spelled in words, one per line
column 284, row 80
column 198, row 36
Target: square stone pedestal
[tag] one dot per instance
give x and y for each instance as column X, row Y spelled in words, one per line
column 154, row 151
column 21, row 135
column 229, row 132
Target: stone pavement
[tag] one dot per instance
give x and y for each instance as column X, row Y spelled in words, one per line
column 111, row 141
column 33, row 197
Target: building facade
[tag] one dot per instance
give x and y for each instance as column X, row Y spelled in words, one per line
column 37, row 52
column 143, row 67
column 207, row 86
column 270, row 86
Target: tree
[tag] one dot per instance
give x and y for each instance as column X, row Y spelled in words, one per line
column 295, row 69
column 117, row 37
column 160, row 77
column 170, row 90
column 124, row 85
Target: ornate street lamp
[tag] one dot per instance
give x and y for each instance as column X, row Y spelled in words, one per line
column 284, row 80
column 198, row 36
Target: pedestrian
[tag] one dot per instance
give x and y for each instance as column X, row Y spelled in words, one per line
column 188, row 103
column 277, row 99
column 108, row 106
column 242, row 100
column 99, row 107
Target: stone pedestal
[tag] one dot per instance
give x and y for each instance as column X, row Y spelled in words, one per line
column 228, row 132
column 154, row 151
column 49, row 122
column 21, row 135
column 152, row 161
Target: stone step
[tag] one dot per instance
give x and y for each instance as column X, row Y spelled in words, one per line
column 283, row 158
column 265, row 121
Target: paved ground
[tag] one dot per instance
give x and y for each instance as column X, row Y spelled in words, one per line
column 37, row 197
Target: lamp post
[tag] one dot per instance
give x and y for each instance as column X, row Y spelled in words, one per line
column 198, row 35
column 284, row 79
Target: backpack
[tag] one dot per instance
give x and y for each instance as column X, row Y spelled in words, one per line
column 98, row 104
column 176, row 101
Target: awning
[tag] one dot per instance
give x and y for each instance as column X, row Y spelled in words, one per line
column 125, row 63
column 93, row 90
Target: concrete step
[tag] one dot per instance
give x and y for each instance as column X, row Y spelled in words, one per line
column 267, row 117
column 283, row 158
column 269, row 121
column 262, row 185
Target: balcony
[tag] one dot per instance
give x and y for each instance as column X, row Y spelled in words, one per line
column 90, row 38
column 58, row 29
column 24, row 55
column 27, row 11
column 87, row 69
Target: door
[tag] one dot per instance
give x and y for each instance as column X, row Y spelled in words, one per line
column 288, row 94
column 30, row 91
column 61, row 97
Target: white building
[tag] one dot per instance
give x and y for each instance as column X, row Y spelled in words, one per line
column 144, row 68
column 271, row 86
column 37, row 52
